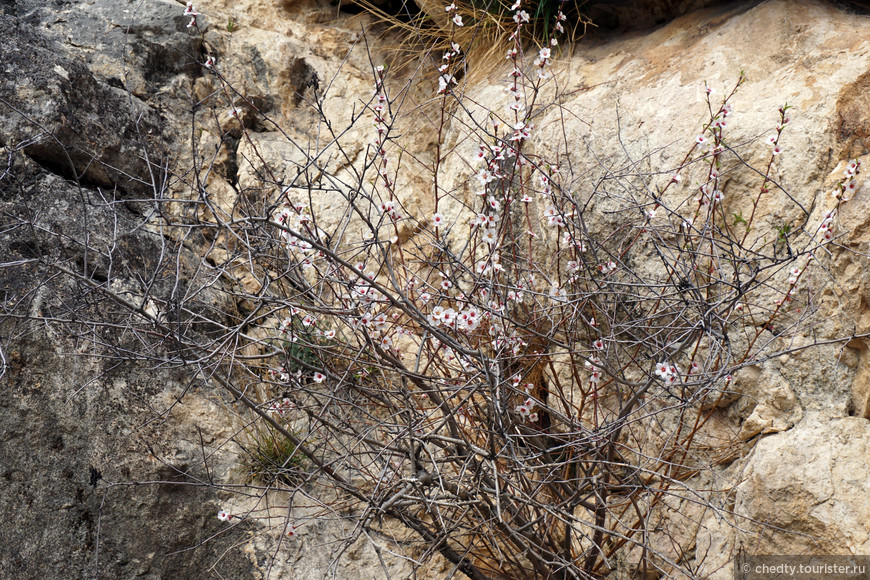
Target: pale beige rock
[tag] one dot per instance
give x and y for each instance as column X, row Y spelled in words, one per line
column 810, row 483
column 776, row 408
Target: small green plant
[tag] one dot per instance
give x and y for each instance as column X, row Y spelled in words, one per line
column 783, row 231
column 270, row 457
column 231, row 25
column 739, row 219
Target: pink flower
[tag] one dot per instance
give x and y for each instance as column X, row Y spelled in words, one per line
column 291, row 531
column 189, row 11
column 451, row 7
column 446, row 285
column 438, row 220
column 224, row 516
column 521, row 16
column 771, row 140
column 598, row 344
column 777, row 150
column 457, row 20
column 319, row 377
column 700, row 140
column 380, row 321
column 663, row 370
column 607, row 267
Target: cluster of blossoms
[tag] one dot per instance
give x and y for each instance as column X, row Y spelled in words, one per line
column 554, row 217
column 594, row 368
column 377, row 323
column 280, row 375
column 607, row 267
column 709, row 194
column 522, row 131
column 389, row 209
column 844, row 189
column 558, row 294
column 190, row 11
column 826, row 228
column 379, row 107
column 773, row 140
column 668, row 372
column 794, row 274
column 467, row 320
column 491, row 265
column 282, row 407
column 294, row 217
column 382, row 325
column 527, row 409
column 451, row 9
column 446, row 80
column 850, row 184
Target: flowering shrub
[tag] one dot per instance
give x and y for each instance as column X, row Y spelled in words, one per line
column 522, row 405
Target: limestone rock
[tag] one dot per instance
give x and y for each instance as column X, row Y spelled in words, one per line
column 810, row 483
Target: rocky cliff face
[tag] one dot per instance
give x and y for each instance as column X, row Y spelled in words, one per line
column 117, row 470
